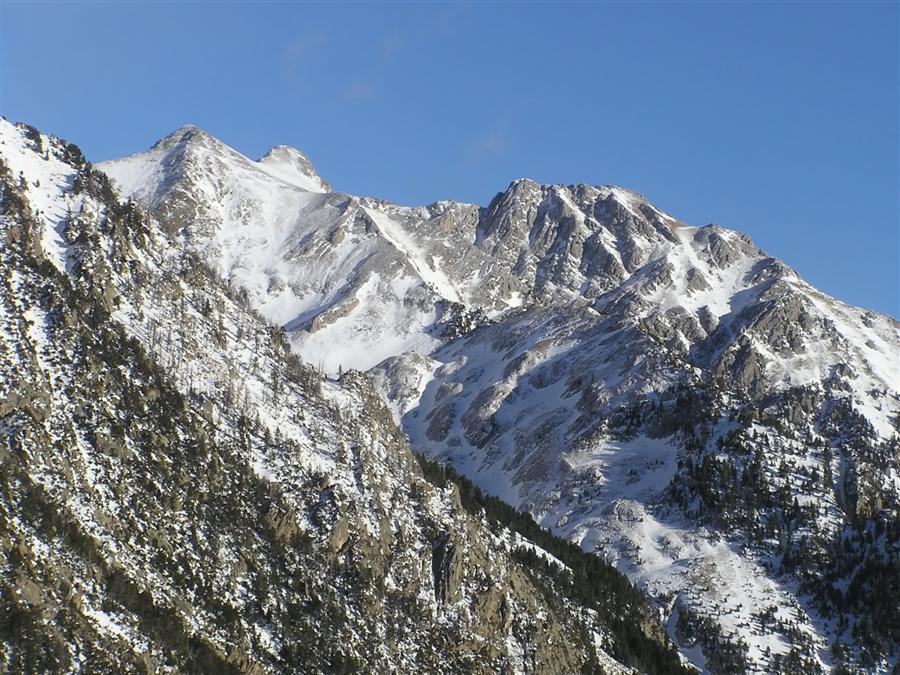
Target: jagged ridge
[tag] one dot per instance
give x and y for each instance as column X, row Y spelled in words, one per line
column 179, row 491
column 593, row 312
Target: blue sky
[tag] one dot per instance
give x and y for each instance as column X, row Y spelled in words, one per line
column 779, row 120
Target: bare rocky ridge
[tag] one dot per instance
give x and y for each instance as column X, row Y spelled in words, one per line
column 669, row 397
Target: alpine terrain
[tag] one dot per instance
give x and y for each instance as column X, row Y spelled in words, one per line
column 252, row 424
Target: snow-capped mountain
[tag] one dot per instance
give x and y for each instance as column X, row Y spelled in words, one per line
column 179, row 493
column 333, row 269
column 668, row 397
column 338, row 270
column 542, row 345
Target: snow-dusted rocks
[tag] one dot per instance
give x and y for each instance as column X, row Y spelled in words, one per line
column 292, row 166
column 670, row 397
column 179, row 492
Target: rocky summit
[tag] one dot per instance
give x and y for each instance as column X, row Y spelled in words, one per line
column 251, row 424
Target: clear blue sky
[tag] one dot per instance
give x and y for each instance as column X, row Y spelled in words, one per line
column 779, row 120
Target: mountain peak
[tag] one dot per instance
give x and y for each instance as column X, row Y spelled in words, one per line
column 283, row 152
column 291, row 165
column 187, row 128
column 184, row 134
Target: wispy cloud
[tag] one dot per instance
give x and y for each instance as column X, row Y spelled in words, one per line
column 366, row 77
column 488, row 146
column 388, row 46
column 367, row 85
column 301, row 49
column 360, row 91
column 383, row 51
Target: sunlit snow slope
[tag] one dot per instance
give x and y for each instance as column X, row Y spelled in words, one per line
column 179, row 493
column 668, row 396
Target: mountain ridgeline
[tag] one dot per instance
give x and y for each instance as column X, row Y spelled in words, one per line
column 251, row 424
column 179, row 492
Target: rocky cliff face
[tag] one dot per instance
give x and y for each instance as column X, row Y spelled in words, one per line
column 669, row 397
column 179, row 492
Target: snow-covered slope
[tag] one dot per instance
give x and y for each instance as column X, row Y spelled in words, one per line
column 355, row 280
column 668, row 396
column 180, row 493
column 576, row 420
column 340, row 273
